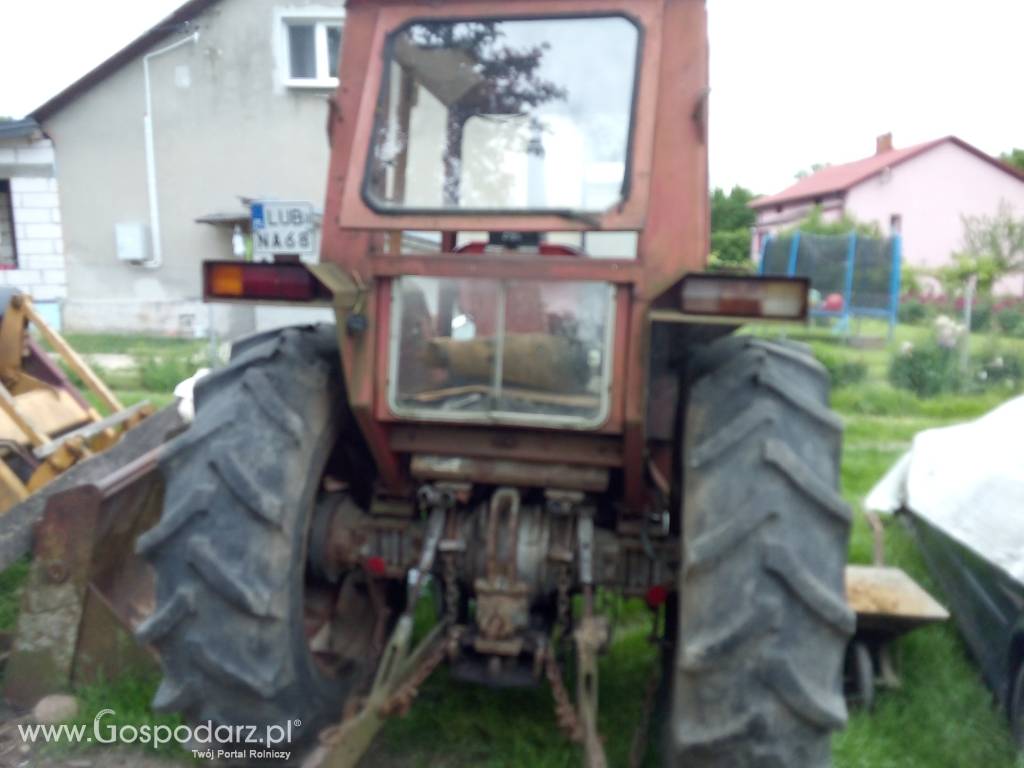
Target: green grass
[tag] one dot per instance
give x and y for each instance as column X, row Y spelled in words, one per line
column 11, row 582
column 460, row 725
column 134, row 345
column 129, row 699
column 160, row 364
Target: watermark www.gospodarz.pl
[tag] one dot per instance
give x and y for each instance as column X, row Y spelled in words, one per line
column 206, row 741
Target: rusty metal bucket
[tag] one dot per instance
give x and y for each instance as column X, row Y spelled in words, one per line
column 87, row 590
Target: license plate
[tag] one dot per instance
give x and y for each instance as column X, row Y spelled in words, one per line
column 281, row 228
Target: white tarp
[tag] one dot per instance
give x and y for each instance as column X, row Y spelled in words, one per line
column 967, row 480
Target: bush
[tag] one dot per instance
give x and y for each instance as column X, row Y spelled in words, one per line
column 913, row 311
column 926, row 370
column 910, row 279
column 841, row 369
column 732, row 247
column 981, row 315
column 998, row 366
column 814, row 223
column 717, row 264
column 1010, row 321
column 999, row 370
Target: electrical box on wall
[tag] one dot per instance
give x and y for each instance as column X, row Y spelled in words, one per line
column 132, row 242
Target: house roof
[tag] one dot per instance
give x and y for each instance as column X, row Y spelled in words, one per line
column 176, row 22
column 17, row 129
column 838, row 179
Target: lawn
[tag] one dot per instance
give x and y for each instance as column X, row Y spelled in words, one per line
column 943, row 717
column 139, row 368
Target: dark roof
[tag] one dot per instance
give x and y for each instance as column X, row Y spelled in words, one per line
column 838, row 179
column 17, row 129
column 175, row 23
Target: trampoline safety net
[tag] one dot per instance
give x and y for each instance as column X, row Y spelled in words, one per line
column 849, row 274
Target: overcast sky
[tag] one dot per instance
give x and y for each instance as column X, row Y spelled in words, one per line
column 794, row 82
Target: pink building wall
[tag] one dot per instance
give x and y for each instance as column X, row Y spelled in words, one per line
column 930, row 193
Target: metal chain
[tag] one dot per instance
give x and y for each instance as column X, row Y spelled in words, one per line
column 565, row 712
column 564, row 614
column 402, row 699
column 451, row 590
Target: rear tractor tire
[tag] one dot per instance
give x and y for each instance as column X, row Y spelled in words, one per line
column 763, row 620
column 230, row 549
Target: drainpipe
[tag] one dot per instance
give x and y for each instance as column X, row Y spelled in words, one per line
column 147, row 122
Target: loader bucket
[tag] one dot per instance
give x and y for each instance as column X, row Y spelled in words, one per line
column 87, row 590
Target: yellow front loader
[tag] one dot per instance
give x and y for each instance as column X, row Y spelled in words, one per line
column 46, row 424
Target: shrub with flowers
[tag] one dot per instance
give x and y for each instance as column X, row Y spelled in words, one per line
column 929, row 368
column 933, row 367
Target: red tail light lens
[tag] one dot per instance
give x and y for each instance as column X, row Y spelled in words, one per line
column 227, row 280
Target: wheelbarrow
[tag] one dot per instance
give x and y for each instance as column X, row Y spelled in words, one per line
column 888, row 604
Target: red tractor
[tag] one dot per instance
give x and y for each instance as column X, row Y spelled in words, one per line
column 531, row 393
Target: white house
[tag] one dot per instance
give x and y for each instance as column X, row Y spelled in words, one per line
column 31, row 240
column 222, row 99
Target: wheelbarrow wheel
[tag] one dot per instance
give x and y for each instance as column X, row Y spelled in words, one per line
column 230, row 549
column 861, row 672
column 763, row 620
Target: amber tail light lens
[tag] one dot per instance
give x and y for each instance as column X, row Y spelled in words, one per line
column 740, row 296
column 291, row 282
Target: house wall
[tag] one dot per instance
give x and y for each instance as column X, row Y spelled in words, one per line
column 225, row 125
column 931, row 193
column 27, row 165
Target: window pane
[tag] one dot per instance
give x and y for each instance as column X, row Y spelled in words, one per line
column 474, row 349
column 7, row 250
column 333, row 49
column 302, row 51
column 555, row 348
column 505, row 115
column 443, row 351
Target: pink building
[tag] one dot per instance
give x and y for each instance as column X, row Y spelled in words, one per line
column 920, row 192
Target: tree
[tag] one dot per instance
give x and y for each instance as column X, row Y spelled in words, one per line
column 1014, row 157
column 993, row 247
column 731, row 222
column 814, row 224
column 815, row 167
column 732, row 211
column 731, row 248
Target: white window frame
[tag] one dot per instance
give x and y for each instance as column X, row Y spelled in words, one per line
column 320, row 21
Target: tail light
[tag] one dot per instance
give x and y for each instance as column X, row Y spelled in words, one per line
column 292, row 282
column 774, row 298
